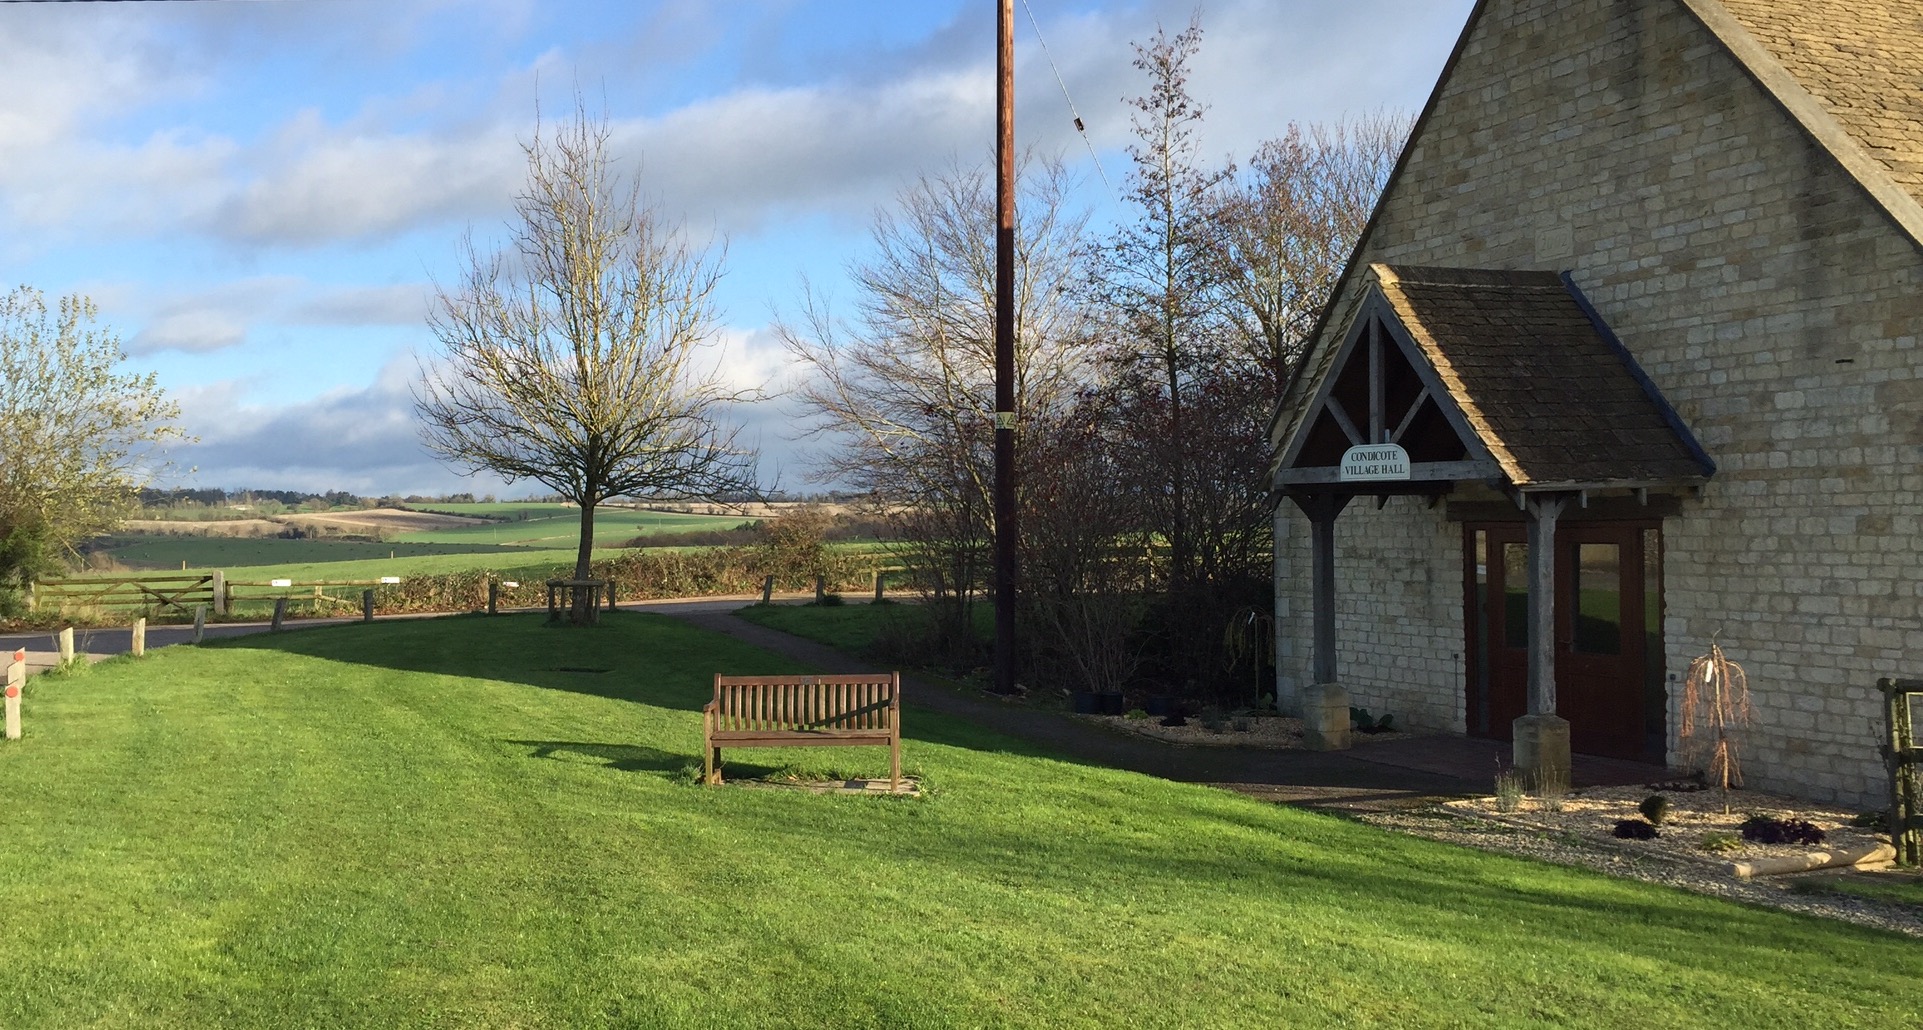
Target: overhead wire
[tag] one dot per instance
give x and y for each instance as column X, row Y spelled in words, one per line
column 1077, row 115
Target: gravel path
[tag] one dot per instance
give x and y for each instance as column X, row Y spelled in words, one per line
column 1454, row 827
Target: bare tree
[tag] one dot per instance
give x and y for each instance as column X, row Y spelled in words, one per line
column 903, row 392
column 1286, row 225
column 574, row 357
column 1159, row 282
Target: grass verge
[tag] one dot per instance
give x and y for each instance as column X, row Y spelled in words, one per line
column 489, row 822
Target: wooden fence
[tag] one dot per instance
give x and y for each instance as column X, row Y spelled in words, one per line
column 321, row 592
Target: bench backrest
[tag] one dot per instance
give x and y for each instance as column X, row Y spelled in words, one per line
column 763, row 703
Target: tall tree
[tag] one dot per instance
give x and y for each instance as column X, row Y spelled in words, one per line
column 575, row 356
column 904, row 390
column 1160, row 283
column 77, row 436
column 1286, row 226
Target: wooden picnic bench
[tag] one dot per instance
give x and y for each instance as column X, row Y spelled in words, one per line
column 802, row 711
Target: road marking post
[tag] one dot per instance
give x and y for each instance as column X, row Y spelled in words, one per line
column 66, row 647
column 200, row 622
column 280, row 612
column 16, row 680
column 139, row 647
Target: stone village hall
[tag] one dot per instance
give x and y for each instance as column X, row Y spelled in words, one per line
column 1625, row 362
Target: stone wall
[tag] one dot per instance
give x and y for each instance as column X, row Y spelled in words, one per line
column 1773, row 303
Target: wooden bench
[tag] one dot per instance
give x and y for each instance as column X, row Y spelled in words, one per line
column 802, row 711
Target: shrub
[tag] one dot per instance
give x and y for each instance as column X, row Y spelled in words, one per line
column 1765, row 829
column 1654, row 808
column 1720, row 842
column 1135, row 715
column 1508, row 790
column 1634, row 829
column 1878, row 821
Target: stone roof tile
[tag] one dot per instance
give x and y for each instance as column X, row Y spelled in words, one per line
column 1552, row 398
column 1863, row 59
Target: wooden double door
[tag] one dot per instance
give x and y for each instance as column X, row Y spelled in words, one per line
column 1608, row 630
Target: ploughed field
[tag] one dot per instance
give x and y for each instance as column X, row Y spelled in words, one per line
column 492, row 822
column 452, row 538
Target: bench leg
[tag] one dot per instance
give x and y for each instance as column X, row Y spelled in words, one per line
column 894, row 767
column 711, row 766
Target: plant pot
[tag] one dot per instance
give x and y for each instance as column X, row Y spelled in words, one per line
column 1112, row 703
column 1159, row 705
column 1085, row 702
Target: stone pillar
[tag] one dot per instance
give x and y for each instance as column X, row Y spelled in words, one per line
column 219, row 586
column 138, row 645
column 1325, row 705
column 1540, row 739
column 367, row 605
column 66, row 647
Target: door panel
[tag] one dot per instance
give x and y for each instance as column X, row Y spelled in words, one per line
column 1606, row 625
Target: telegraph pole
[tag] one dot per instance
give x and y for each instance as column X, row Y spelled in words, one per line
column 1005, row 531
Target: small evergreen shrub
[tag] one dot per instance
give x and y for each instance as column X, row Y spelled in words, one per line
column 1654, row 808
column 1135, row 715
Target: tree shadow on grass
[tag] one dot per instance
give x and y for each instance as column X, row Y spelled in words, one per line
column 642, row 658
column 619, row 757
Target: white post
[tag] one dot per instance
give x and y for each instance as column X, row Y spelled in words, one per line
column 66, row 646
column 139, row 647
column 16, row 679
column 200, row 621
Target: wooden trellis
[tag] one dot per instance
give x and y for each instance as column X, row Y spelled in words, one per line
column 1905, row 762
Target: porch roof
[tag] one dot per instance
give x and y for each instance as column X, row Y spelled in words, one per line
column 1527, row 374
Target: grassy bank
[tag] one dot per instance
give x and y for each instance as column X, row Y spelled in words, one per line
column 438, row 824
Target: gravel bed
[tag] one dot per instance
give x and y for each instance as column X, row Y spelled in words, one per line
column 1269, row 732
column 1464, row 826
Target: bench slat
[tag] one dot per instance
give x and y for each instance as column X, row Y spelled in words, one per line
column 803, row 711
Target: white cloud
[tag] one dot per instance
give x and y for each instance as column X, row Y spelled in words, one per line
column 194, row 332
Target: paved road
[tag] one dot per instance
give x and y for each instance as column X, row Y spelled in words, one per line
column 43, row 647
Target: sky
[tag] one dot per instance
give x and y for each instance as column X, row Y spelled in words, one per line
column 260, row 195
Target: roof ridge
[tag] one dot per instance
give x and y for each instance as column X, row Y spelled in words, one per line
column 1813, row 114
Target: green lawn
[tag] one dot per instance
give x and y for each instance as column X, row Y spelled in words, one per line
column 429, row 824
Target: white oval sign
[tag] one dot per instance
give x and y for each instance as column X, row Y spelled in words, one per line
column 1375, row 461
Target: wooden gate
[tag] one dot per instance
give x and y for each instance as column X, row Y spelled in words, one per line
column 156, row 592
column 1905, row 762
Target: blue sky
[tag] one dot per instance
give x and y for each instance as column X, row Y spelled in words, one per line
column 259, row 195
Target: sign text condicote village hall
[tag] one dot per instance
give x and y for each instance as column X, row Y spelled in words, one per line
column 1375, row 461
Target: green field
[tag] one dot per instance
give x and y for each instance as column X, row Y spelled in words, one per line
column 207, row 553
column 455, row 831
